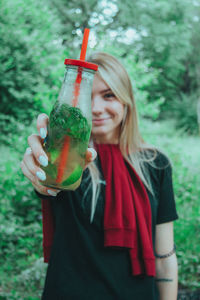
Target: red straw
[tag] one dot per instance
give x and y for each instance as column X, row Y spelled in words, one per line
column 84, row 43
column 65, row 149
column 77, row 87
column 63, row 159
column 79, row 75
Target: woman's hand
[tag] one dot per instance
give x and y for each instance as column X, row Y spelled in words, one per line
column 35, row 156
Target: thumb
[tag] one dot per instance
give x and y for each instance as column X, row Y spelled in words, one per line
column 91, row 154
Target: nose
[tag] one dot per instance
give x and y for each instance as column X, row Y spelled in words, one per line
column 97, row 105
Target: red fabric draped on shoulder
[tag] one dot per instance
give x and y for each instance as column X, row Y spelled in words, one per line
column 127, row 212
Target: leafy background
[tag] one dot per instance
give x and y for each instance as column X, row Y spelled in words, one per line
column 158, row 42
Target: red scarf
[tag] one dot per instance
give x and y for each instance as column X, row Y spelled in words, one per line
column 127, row 212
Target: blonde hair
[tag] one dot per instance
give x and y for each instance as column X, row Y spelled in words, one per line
column 130, row 140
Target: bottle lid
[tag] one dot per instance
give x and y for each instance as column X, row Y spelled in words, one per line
column 81, row 63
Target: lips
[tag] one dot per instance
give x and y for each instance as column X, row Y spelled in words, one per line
column 99, row 121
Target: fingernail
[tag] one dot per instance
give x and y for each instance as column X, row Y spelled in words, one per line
column 52, row 193
column 43, row 133
column 41, row 175
column 93, row 152
column 28, row 150
column 43, row 160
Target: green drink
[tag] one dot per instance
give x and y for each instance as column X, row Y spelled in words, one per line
column 69, row 128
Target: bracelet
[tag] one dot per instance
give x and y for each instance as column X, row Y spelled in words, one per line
column 168, row 254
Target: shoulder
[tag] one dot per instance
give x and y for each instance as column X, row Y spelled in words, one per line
column 156, row 158
column 162, row 160
column 156, row 165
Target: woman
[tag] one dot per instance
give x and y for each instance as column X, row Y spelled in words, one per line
column 112, row 238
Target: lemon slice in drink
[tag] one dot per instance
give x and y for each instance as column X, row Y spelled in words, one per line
column 76, row 174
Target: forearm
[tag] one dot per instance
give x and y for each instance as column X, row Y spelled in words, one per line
column 167, row 277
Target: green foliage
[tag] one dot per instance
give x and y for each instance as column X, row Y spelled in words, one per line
column 144, row 76
column 20, row 219
column 184, row 154
column 164, row 38
column 15, row 133
column 166, row 33
column 74, row 17
column 186, row 184
column 185, row 111
column 29, row 57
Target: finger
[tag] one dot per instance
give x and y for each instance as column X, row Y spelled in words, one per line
column 35, row 143
column 35, row 182
column 28, row 174
column 42, row 122
column 91, row 154
column 28, row 151
column 33, row 166
column 46, row 191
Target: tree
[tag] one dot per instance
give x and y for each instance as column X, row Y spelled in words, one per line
column 74, row 15
column 30, row 52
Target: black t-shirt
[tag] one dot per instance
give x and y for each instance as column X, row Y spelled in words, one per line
column 80, row 267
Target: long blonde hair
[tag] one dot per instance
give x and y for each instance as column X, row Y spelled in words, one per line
column 130, row 140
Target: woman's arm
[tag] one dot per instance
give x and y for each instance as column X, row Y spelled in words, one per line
column 166, row 267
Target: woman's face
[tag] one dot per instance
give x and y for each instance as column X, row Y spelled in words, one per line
column 107, row 113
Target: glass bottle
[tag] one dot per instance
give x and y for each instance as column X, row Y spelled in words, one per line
column 69, row 127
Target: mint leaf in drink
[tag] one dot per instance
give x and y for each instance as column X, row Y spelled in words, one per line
column 67, row 120
column 75, row 175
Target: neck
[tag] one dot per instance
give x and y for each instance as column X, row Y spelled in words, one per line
column 106, row 139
